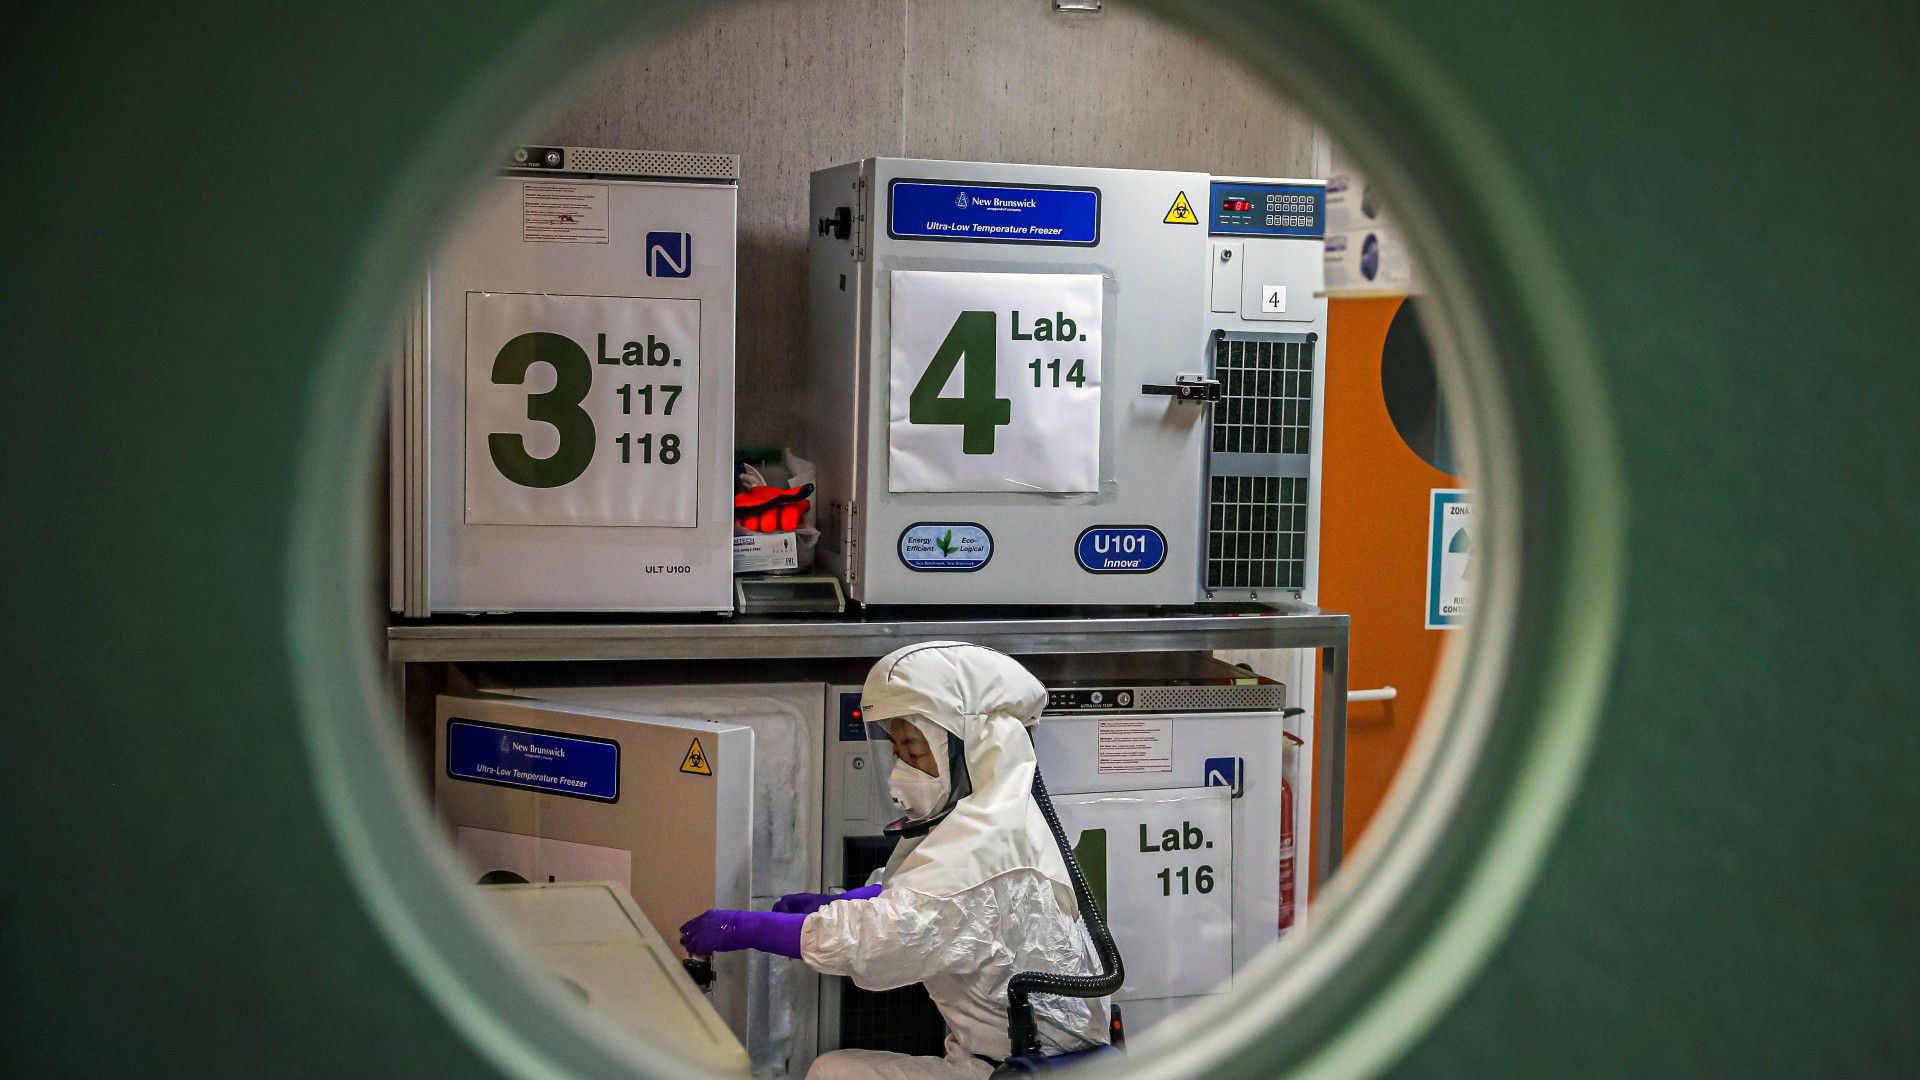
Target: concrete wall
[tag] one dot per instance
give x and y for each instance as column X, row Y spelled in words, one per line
column 796, row 85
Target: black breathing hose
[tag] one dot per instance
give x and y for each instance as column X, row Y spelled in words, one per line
column 1022, row 1032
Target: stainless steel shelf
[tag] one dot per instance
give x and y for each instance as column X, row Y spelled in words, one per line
column 874, row 633
column 869, row 634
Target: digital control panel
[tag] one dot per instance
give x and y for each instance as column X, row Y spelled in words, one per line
column 1090, row 698
column 852, row 727
column 539, row 157
column 1236, row 209
column 1173, row 695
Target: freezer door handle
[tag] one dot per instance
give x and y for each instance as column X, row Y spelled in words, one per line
column 1187, row 387
column 840, row 225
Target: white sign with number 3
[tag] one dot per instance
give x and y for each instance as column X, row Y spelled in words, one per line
column 582, row 410
column 995, row 382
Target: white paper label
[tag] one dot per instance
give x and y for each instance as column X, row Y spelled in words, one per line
column 1132, row 744
column 759, row 552
column 995, row 382
column 1166, row 861
column 582, row 410
column 563, row 213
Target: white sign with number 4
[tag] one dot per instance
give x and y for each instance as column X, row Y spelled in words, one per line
column 995, row 382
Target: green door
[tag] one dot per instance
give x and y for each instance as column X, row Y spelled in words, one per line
column 194, row 197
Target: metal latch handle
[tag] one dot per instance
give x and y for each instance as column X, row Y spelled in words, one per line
column 840, row 225
column 1197, row 388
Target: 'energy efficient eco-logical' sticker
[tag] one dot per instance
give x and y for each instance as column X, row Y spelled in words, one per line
column 935, row 546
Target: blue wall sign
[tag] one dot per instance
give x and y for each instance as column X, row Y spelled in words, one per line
column 1121, row 549
column 535, row 760
column 946, row 546
column 993, row 213
column 1449, row 557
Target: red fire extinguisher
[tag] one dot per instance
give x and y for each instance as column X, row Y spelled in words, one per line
column 1286, row 855
column 1287, row 848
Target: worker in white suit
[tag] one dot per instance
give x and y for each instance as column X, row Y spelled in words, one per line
column 976, row 889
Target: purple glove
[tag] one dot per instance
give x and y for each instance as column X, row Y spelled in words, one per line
column 806, row 903
column 720, row 930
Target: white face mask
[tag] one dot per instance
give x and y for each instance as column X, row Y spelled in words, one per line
column 918, row 795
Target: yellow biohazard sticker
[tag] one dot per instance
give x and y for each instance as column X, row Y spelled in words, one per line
column 696, row 761
column 1181, row 212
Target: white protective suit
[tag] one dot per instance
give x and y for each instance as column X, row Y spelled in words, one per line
column 981, row 896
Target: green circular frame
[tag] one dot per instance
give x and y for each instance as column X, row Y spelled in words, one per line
column 1398, row 934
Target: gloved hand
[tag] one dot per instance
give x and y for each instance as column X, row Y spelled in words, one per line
column 806, row 903
column 803, row 903
column 721, row 930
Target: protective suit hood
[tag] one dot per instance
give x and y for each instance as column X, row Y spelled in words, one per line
column 987, row 701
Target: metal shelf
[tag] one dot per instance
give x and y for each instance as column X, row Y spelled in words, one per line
column 875, row 632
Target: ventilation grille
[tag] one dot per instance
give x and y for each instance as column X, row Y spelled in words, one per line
column 1267, row 407
column 1257, row 532
column 903, row 1020
column 1261, row 439
column 658, row 164
column 1270, row 697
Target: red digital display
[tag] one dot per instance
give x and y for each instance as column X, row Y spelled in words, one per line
column 1236, row 206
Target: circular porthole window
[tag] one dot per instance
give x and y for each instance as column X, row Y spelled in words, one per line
column 1504, row 393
